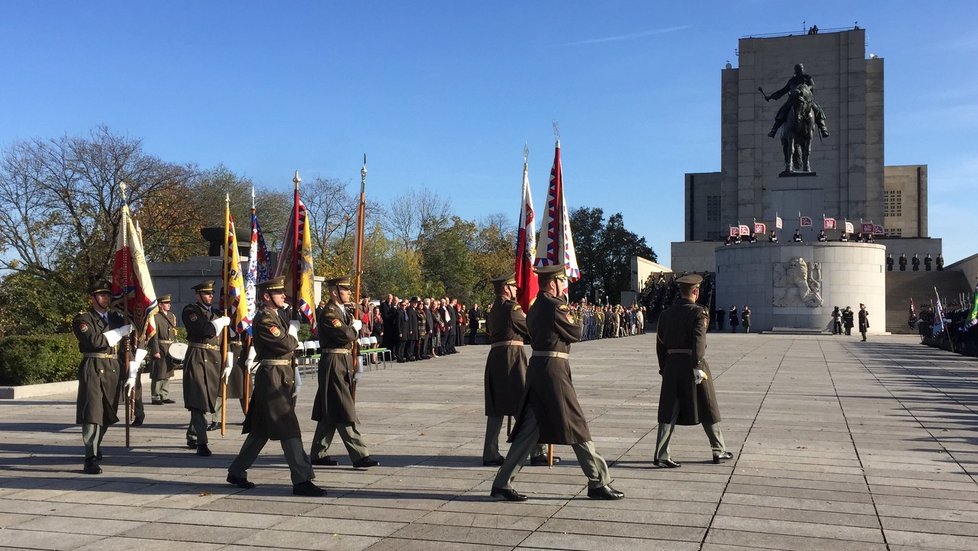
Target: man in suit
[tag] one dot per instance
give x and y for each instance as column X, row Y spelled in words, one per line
column 686, row 396
column 550, row 412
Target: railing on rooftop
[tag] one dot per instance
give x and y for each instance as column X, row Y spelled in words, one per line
column 802, row 32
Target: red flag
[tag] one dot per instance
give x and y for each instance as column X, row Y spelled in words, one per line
column 557, row 244
column 828, row 223
column 734, row 231
column 295, row 261
column 526, row 246
column 760, row 227
column 132, row 288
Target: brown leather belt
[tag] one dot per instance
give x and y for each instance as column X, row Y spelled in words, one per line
column 550, row 354
column 679, row 351
column 506, row 343
column 203, row 346
column 99, row 355
column 275, row 362
column 337, row 351
column 161, row 341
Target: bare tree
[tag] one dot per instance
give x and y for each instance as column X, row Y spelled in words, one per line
column 409, row 215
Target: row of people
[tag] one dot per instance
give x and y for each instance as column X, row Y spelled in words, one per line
column 915, row 262
column 822, row 237
column 736, row 319
column 605, row 322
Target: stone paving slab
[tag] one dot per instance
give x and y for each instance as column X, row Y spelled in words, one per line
column 839, row 445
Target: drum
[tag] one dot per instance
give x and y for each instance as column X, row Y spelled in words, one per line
column 178, row 351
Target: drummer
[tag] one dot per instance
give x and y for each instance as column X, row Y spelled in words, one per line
column 161, row 365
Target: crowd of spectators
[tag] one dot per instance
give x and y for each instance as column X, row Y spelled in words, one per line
column 661, row 291
column 609, row 322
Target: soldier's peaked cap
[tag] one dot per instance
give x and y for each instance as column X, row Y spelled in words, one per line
column 555, row 270
column 100, row 286
column 509, row 279
column 204, row 286
column 691, row 279
column 339, row 282
column 274, row 284
column 164, row 298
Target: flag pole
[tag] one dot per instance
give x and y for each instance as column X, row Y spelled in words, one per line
column 358, row 266
column 293, row 270
column 125, row 306
column 246, row 380
column 225, row 298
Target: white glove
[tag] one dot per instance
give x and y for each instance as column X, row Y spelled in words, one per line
column 115, row 335
column 139, row 356
column 298, row 383
column 220, row 323
column 228, row 366
column 357, row 325
column 294, row 329
column 133, row 373
column 699, row 375
column 252, row 360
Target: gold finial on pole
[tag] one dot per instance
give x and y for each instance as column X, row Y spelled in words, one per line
column 296, row 179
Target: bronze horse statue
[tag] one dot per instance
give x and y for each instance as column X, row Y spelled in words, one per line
column 798, row 130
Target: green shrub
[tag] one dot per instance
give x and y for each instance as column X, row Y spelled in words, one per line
column 33, row 359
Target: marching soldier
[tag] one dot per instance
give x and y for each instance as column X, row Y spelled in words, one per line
column 687, row 396
column 161, row 365
column 334, row 408
column 98, row 332
column 505, row 368
column 271, row 415
column 202, row 366
column 549, row 411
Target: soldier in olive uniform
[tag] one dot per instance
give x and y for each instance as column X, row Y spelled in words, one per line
column 98, row 332
column 505, row 368
column 271, row 415
column 687, row 396
column 161, row 365
column 334, row 408
column 202, row 366
column 549, row 410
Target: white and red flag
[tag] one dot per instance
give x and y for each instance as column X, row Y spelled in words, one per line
column 850, row 228
column 828, row 223
column 295, row 261
column 734, row 231
column 760, row 227
column 526, row 246
column 744, row 230
column 867, row 227
column 132, row 288
column 557, row 243
column 778, row 223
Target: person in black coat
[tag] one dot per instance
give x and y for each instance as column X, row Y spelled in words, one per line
column 734, row 320
column 686, row 396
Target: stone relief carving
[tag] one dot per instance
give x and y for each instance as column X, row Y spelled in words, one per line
column 797, row 283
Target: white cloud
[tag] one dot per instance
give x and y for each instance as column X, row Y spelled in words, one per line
column 623, row 37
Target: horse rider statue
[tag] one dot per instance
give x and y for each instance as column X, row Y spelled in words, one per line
column 800, row 77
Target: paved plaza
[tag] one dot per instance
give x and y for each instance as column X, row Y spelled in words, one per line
column 839, row 445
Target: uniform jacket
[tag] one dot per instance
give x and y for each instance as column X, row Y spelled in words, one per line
column 202, row 367
column 549, row 389
column 334, row 397
column 505, row 376
column 272, row 410
column 98, row 378
column 166, row 330
column 863, row 320
column 682, row 329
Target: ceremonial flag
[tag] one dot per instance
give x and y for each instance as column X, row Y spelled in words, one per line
column 233, row 298
column 778, row 223
column 557, row 245
column 734, row 231
column 132, row 288
column 258, row 266
column 295, row 262
column 866, row 227
column 804, row 221
column 972, row 319
column 526, row 246
column 828, row 223
column 760, row 227
column 938, row 315
column 850, row 228
column 744, row 230
column 878, row 230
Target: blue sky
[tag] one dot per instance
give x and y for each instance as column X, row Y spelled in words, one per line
column 444, row 94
